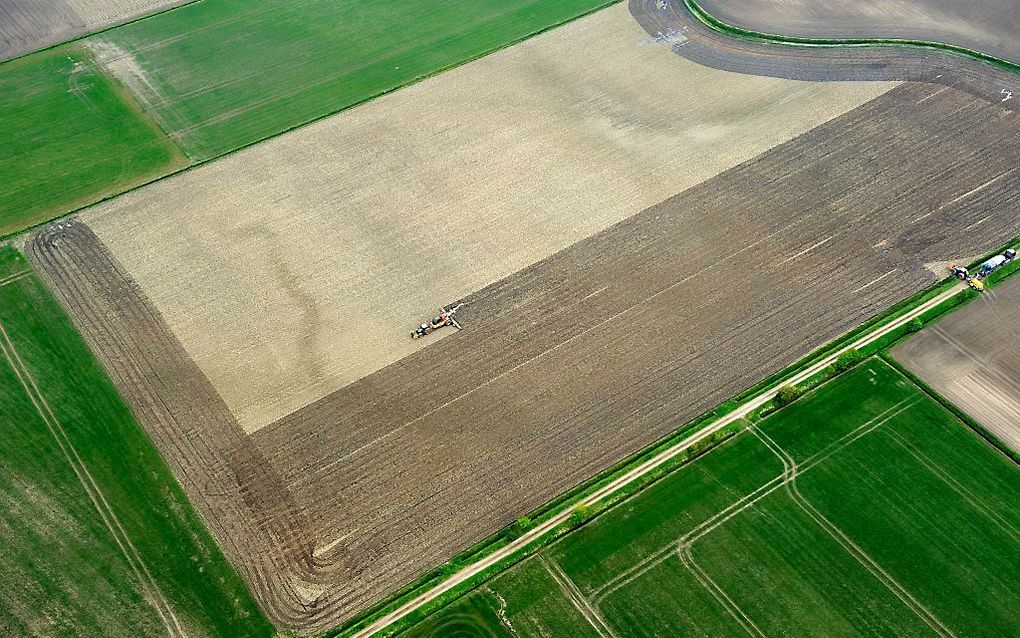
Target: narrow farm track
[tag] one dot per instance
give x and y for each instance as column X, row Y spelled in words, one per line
column 566, row 366
column 150, row 588
column 685, row 542
column 695, row 41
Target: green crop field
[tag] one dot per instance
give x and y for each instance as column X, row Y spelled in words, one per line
column 71, row 136
column 862, row 509
column 221, row 75
column 98, row 539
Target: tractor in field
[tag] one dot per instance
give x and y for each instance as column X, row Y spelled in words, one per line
column 444, row 318
column 961, row 273
column 976, row 281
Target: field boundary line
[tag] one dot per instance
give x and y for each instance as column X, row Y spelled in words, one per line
column 837, row 534
column 720, row 595
column 158, row 601
column 639, row 568
column 723, row 259
column 954, row 485
column 550, row 525
column 577, row 599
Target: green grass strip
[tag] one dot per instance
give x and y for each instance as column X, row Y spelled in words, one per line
column 726, row 28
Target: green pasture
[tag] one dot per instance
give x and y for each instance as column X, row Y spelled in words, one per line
column 226, row 74
column 896, row 520
column 64, row 572
column 71, row 136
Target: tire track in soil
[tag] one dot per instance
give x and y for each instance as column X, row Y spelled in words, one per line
column 151, row 589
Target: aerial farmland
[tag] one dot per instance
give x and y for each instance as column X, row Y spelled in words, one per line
column 662, row 263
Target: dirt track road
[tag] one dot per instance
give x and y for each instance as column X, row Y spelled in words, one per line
column 571, row 364
column 691, row 39
column 641, row 470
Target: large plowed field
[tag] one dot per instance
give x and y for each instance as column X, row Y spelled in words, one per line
column 691, row 38
column 567, row 365
column 296, row 267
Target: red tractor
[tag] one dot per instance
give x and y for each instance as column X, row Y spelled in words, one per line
column 444, row 318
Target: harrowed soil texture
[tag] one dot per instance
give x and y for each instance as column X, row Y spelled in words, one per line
column 566, row 366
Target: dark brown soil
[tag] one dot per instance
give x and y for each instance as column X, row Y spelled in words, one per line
column 569, row 365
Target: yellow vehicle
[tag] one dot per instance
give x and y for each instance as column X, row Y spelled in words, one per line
column 963, row 274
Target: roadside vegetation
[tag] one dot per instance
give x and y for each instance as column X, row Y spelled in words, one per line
column 98, row 538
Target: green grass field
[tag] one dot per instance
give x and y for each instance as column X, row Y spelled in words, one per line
column 98, row 539
column 864, row 509
column 226, row 74
column 71, row 136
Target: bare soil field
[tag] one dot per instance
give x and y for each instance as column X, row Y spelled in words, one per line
column 296, row 267
column 989, row 26
column 972, row 357
column 27, row 25
column 693, row 40
column 567, row 365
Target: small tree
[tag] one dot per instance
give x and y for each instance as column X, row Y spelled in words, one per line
column 848, row 359
column 578, row 516
column 787, row 395
column 518, row 528
column 915, row 324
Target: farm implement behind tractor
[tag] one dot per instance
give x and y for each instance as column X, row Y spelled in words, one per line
column 976, row 281
column 444, row 318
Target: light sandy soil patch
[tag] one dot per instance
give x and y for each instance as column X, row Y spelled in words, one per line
column 298, row 266
column 989, row 26
column 972, row 358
